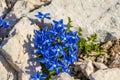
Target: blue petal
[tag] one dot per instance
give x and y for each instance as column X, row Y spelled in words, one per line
column 44, row 76
column 57, row 70
column 40, row 13
column 61, row 21
column 51, row 68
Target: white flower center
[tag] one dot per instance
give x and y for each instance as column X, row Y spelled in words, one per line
column 54, row 65
column 38, row 79
column 47, row 40
column 58, row 50
column 60, row 25
column 65, row 27
column 64, row 38
column 40, row 47
column 73, row 37
column 72, row 55
column 47, row 60
column 42, row 16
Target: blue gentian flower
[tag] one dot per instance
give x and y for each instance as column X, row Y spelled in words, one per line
column 38, row 76
column 73, row 55
column 46, row 61
column 58, row 50
column 73, row 58
column 59, row 25
column 39, row 48
column 73, row 37
column 66, row 61
column 4, row 24
column 55, row 65
column 42, row 16
column 64, row 36
column 65, row 69
column 65, row 64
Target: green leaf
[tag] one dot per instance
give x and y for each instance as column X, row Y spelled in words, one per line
column 89, row 38
column 80, row 31
column 102, row 52
column 82, row 43
column 58, row 39
column 69, row 20
column 69, row 25
column 94, row 37
column 88, row 47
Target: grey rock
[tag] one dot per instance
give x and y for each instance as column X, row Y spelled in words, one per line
column 3, row 32
column 100, row 58
column 20, row 48
column 115, row 63
column 3, row 8
column 63, row 76
column 10, row 3
column 100, row 65
column 101, row 17
column 107, row 45
column 19, row 10
column 6, row 71
column 36, row 3
column 22, row 8
column 87, row 67
column 107, row 74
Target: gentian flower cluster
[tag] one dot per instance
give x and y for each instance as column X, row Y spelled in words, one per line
column 4, row 23
column 57, row 47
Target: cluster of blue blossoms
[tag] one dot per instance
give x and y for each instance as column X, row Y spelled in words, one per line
column 57, row 47
column 4, row 23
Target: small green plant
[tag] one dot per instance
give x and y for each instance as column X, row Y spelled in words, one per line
column 86, row 45
column 89, row 44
